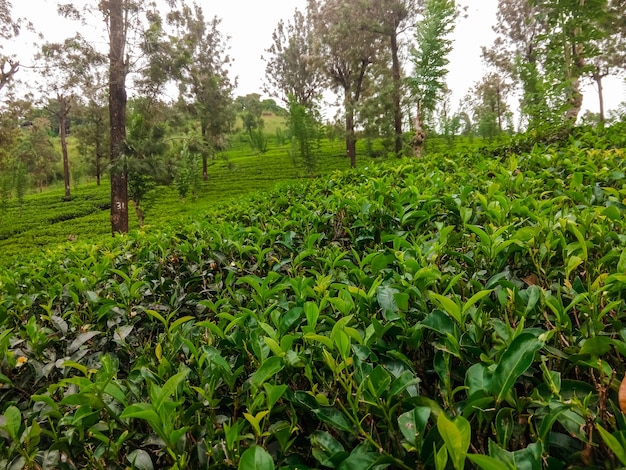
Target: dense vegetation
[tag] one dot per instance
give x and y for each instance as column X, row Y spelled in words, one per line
column 466, row 309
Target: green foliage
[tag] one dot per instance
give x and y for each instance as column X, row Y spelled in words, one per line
column 304, row 130
column 437, row 313
column 430, row 56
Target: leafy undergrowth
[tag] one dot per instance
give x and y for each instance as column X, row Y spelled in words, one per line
column 446, row 313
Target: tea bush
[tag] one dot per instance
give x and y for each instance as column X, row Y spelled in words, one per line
column 457, row 311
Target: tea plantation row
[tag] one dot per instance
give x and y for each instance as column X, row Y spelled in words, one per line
column 455, row 312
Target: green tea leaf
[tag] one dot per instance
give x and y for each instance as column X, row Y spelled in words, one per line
column 273, row 393
column 256, row 458
column 378, row 381
column 312, row 313
column 12, row 422
column 142, row 411
column 514, row 362
column 448, row 305
column 486, row 462
column 140, row 460
column 476, row 298
column 504, row 426
column 413, row 423
column 169, row 388
column 597, row 346
column 385, row 296
column 335, row 418
column 613, row 443
column 270, row 367
column 456, row 435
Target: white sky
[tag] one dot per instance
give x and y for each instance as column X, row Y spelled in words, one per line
column 250, row 24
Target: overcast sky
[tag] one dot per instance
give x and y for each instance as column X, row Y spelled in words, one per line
column 250, row 24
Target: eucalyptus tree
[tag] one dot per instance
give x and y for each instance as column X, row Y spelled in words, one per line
column 91, row 128
column 517, row 55
column 65, row 72
column 430, row 61
column 390, row 19
column 489, row 104
column 294, row 74
column 346, row 49
column 611, row 47
column 292, row 67
column 9, row 65
column 575, row 26
column 124, row 19
column 200, row 65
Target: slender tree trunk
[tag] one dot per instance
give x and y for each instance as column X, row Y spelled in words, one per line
column 117, row 115
column 205, row 163
column 420, row 133
column 576, row 65
column 63, row 136
column 397, row 110
column 598, row 76
column 350, row 134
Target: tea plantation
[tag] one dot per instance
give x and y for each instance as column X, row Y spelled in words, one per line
column 459, row 311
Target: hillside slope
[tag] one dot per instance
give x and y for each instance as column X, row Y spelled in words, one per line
column 451, row 308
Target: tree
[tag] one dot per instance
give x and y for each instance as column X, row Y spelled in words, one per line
column 91, row 129
column 121, row 17
column 200, row 64
column 574, row 26
column 390, row 19
column 516, row 54
column 304, row 130
column 8, row 29
column 611, row 47
column 429, row 58
column 490, row 109
column 346, row 49
column 292, row 69
column 65, row 71
column 35, row 153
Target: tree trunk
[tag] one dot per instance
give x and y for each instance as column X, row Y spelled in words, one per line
column 139, row 213
column 397, row 110
column 117, row 115
column 598, row 76
column 575, row 98
column 350, row 134
column 420, row 134
column 63, row 136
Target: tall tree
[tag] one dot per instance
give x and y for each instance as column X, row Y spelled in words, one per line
column 292, row 68
column 121, row 17
column 489, row 102
column 9, row 28
column 390, row 19
column 117, row 15
column 64, row 74
column 430, row 61
column 611, row 47
column 516, row 54
column 201, row 67
column 574, row 26
column 346, row 49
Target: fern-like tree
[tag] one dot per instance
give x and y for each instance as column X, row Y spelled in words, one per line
column 430, row 61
